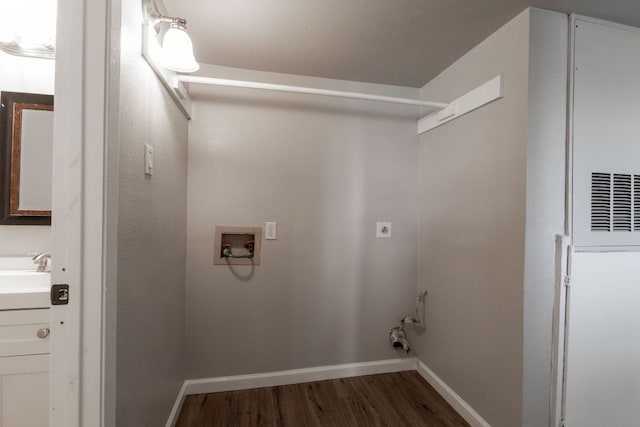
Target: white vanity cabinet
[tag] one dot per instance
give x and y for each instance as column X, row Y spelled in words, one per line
column 24, row 368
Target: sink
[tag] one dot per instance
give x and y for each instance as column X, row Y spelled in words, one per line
column 20, row 289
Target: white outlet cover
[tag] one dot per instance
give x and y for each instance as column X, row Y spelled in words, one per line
column 383, row 230
column 270, row 230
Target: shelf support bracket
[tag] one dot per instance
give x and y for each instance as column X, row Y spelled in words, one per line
column 478, row 97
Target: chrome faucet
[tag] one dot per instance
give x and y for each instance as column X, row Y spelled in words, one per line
column 41, row 259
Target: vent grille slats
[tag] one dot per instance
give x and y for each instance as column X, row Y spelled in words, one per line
column 615, row 202
column 622, row 202
column 600, row 202
column 636, row 202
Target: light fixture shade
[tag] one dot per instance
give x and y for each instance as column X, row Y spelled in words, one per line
column 177, row 51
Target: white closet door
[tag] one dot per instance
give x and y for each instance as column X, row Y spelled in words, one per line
column 603, row 353
column 606, row 135
column 603, row 369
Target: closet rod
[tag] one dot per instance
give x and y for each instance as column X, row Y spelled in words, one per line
column 308, row 90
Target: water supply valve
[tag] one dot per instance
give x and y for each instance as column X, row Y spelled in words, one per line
column 237, row 245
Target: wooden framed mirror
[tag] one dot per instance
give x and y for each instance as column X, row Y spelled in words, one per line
column 26, row 148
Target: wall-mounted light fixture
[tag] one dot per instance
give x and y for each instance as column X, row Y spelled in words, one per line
column 177, row 49
column 28, row 28
column 168, row 50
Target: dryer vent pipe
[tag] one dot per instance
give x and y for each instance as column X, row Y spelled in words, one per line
column 398, row 336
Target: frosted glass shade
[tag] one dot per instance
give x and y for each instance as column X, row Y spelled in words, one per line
column 177, row 51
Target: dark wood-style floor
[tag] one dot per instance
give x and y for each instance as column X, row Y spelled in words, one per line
column 398, row 399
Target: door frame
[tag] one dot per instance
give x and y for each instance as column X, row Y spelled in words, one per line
column 82, row 361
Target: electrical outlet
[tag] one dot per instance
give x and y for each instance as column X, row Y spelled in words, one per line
column 383, row 230
column 270, row 229
column 148, row 159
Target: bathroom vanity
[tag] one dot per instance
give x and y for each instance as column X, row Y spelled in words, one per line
column 24, row 347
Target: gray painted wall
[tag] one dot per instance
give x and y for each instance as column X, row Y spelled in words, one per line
column 326, row 291
column 546, row 156
column 472, row 228
column 19, row 240
column 151, row 240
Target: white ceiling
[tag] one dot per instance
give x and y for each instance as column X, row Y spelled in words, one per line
column 398, row 42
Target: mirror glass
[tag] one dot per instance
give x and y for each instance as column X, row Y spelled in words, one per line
column 35, row 160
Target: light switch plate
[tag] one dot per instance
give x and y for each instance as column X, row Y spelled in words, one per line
column 383, row 230
column 148, row 159
column 270, row 230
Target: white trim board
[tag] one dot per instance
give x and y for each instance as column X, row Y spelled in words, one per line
column 83, row 127
column 177, row 406
column 297, row 376
column 478, row 97
column 460, row 406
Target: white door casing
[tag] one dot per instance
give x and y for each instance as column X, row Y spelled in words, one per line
column 81, row 124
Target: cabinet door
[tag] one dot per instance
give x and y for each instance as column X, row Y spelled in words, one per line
column 19, row 332
column 24, row 391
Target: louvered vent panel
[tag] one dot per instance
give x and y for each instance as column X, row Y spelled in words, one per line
column 622, row 203
column 636, row 202
column 600, row 202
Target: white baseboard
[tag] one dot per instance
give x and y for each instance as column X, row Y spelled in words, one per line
column 177, row 406
column 461, row 407
column 296, row 376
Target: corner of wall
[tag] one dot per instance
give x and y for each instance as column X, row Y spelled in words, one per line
column 545, row 200
column 151, row 241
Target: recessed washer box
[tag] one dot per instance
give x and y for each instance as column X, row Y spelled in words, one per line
column 239, row 243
